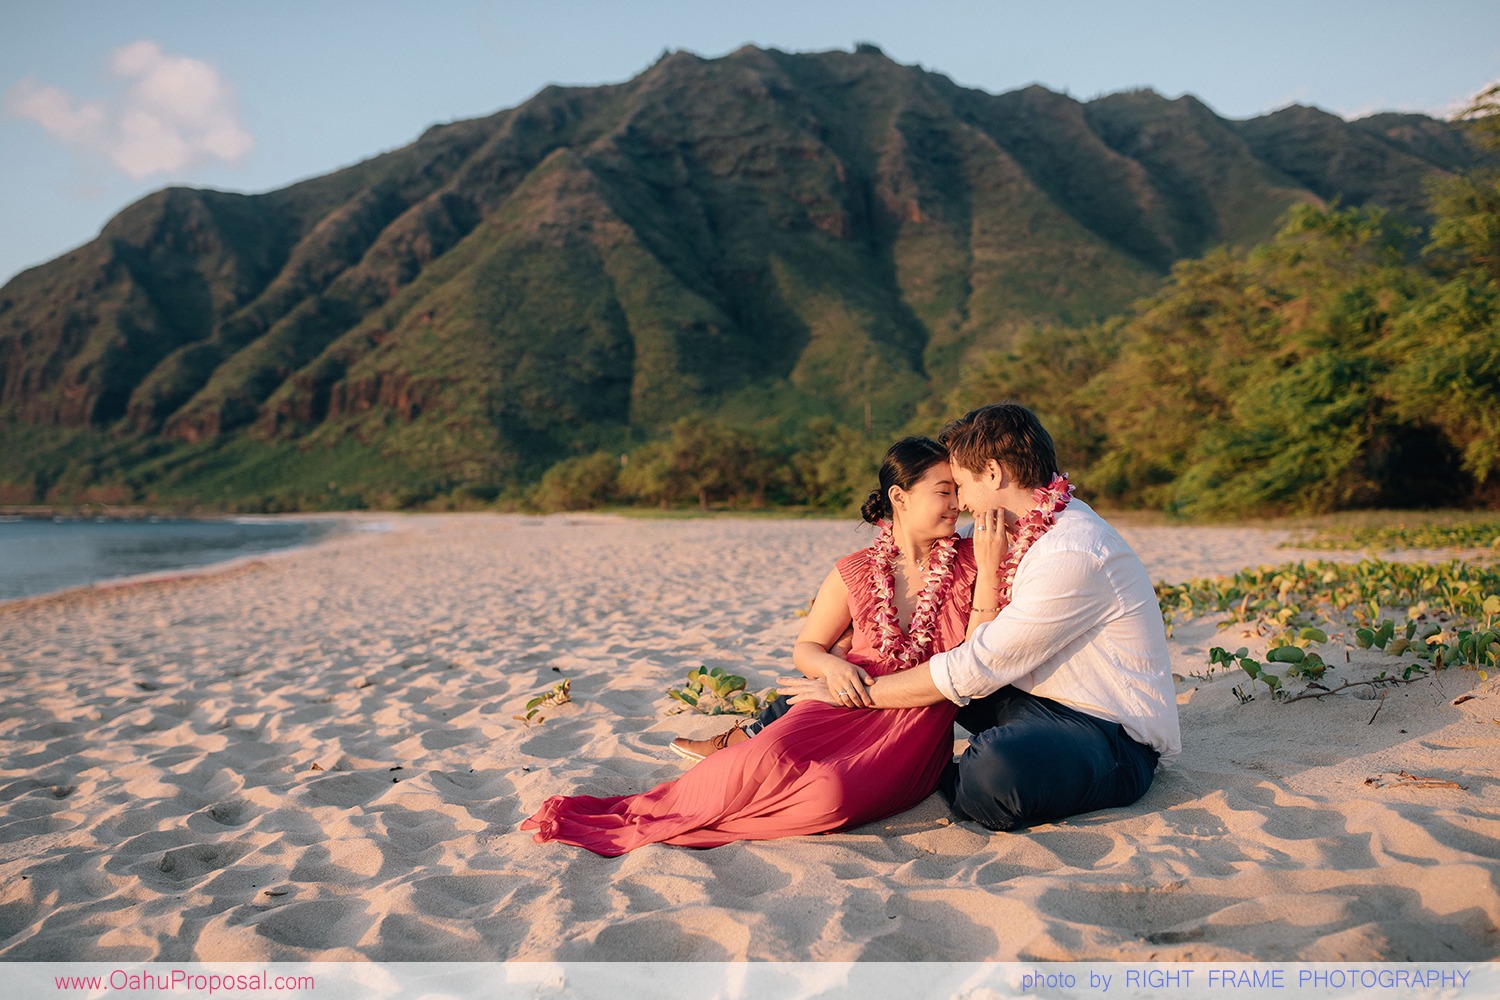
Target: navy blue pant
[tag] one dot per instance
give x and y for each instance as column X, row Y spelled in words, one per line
column 778, row 706
column 1032, row 760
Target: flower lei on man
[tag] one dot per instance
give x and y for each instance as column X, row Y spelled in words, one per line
column 1050, row 501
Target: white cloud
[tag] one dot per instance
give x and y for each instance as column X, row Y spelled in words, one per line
column 173, row 112
column 55, row 111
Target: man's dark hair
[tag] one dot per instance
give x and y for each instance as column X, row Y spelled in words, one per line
column 1010, row 434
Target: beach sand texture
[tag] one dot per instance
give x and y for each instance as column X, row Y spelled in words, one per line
column 315, row 756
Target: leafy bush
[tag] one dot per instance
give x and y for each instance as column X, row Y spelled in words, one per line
column 718, row 692
column 580, row 483
column 704, row 460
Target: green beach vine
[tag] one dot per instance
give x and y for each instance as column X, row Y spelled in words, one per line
column 1451, row 614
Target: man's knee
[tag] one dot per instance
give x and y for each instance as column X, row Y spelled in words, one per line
column 998, row 779
column 992, row 710
column 1039, row 767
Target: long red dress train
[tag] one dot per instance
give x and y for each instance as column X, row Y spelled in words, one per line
column 818, row 768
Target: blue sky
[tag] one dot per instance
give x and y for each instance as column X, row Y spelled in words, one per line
column 104, row 102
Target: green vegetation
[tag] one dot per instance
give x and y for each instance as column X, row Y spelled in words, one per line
column 718, row 692
column 1451, row 611
column 1300, row 662
column 1318, row 372
column 731, row 283
column 1461, row 535
column 1303, row 593
column 558, row 694
column 707, row 462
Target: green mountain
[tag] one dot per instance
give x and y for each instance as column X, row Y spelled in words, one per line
column 765, row 237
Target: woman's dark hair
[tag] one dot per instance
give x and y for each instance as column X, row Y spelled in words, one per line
column 905, row 463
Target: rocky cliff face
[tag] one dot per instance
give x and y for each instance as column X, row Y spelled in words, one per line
column 819, row 229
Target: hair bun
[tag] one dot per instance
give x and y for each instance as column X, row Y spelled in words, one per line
column 904, row 465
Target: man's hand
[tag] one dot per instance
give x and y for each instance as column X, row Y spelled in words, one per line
column 800, row 689
column 903, row 689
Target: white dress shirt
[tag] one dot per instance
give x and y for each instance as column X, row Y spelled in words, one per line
column 1083, row 628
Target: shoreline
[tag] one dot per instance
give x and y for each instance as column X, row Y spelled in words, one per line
column 316, row 758
column 337, row 524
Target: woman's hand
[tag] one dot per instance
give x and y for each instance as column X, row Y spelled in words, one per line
column 991, row 543
column 846, row 684
column 990, row 547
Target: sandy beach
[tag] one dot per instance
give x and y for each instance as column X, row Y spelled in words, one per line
column 315, row 756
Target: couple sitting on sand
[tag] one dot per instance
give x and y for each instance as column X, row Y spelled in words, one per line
column 1041, row 636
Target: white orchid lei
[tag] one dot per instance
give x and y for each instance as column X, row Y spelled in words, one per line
column 1050, row 501
column 910, row 647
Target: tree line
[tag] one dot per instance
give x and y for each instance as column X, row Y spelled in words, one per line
column 1349, row 362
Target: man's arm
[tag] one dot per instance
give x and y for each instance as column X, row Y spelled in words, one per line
column 903, row 689
column 1062, row 600
column 1065, row 599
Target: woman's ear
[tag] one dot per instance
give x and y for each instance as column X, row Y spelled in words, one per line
column 897, row 497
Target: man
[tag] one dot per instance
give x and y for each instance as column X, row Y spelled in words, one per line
column 1068, row 690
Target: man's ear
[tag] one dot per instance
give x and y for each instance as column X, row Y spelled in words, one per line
column 995, row 475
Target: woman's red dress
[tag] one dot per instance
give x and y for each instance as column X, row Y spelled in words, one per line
column 818, row 768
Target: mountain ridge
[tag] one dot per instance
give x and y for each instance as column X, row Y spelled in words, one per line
column 811, row 231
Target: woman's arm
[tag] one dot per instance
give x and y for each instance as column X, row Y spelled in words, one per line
column 990, row 547
column 915, row 687
column 903, row 689
column 824, row 627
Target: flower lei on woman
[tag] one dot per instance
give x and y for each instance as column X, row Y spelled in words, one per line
column 1050, row 500
column 910, row 647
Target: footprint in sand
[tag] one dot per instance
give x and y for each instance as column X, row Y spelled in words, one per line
column 316, row 924
column 27, row 785
column 20, row 907
column 346, row 790
column 227, row 813
column 190, row 863
column 664, row 938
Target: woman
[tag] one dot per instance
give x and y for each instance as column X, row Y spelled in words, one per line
column 821, row 767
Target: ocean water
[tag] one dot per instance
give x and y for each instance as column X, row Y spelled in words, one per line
column 43, row 556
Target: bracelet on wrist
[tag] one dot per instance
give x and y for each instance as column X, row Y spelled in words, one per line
column 984, row 611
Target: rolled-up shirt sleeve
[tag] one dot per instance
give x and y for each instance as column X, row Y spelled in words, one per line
column 1056, row 601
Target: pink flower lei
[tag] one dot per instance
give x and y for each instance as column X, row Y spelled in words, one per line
column 910, row 647
column 1050, row 500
